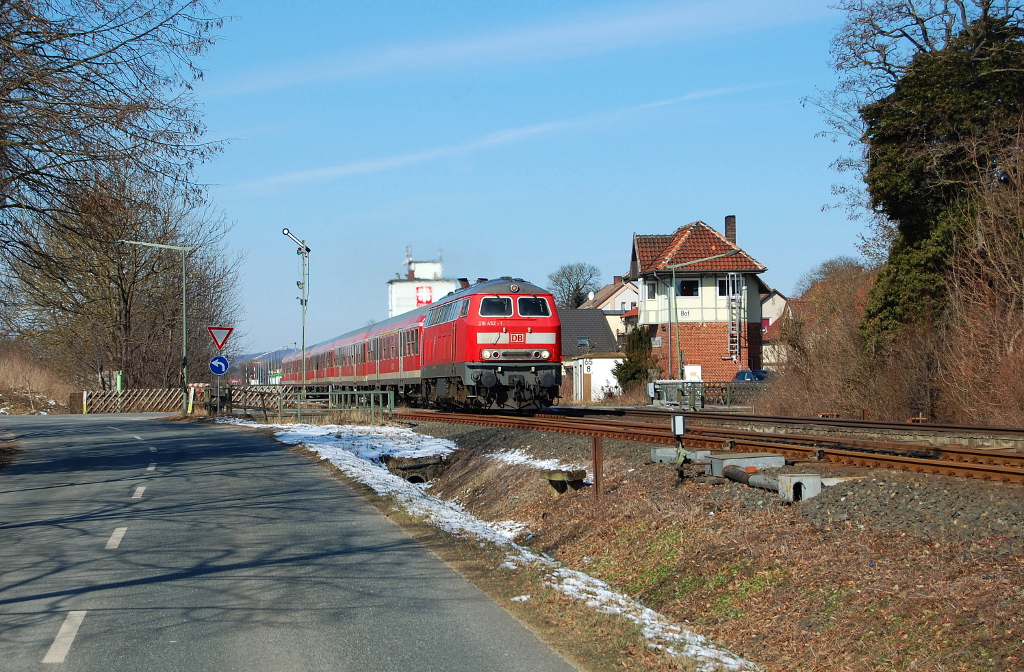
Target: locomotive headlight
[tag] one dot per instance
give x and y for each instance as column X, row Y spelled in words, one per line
column 486, row 354
column 545, row 354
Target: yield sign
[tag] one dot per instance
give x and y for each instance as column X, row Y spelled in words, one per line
column 220, row 335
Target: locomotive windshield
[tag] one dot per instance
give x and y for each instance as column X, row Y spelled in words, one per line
column 531, row 306
column 496, row 306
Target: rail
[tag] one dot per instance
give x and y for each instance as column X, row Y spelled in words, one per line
column 948, row 460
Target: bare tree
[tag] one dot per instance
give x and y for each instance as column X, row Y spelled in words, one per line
column 571, row 283
column 871, row 53
column 880, row 38
column 89, row 305
column 90, row 82
column 985, row 342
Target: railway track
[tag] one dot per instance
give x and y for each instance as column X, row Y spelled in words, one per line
column 650, row 414
column 950, row 460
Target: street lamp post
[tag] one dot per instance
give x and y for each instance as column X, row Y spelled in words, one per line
column 184, row 315
column 303, row 284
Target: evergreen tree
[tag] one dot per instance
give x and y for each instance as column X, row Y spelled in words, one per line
column 640, row 360
column 920, row 176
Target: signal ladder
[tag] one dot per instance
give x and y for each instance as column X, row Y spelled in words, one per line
column 735, row 314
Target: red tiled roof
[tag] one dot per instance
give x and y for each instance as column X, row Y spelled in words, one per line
column 633, row 312
column 648, row 249
column 694, row 247
column 773, row 332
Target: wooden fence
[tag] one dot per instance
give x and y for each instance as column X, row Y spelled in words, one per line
column 127, row 401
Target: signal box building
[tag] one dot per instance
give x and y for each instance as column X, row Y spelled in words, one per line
column 700, row 301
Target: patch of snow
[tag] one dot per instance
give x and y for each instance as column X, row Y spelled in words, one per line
column 669, row 636
column 510, row 528
column 357, row 451
column 520, row 456
column 520, row 598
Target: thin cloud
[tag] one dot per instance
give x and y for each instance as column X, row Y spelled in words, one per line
column 579, row 36
column 502, row 137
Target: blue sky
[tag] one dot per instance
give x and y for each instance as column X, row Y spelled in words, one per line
column 512, row 136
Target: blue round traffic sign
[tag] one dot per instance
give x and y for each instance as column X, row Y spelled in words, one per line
column 219, row 365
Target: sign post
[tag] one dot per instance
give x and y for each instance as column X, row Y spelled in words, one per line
column 219, row 366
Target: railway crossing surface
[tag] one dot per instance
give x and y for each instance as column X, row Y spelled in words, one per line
column 130, row 543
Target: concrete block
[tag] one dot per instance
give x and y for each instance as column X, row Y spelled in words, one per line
column 666, row 455
column 798, row 487
column 756, row 460
column 700, row 456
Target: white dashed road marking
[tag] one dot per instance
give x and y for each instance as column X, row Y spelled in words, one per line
column 151, row 467
column 138, row 492
column 66, row 635
column 116, row 537
column 152, row 449
column 137, row 437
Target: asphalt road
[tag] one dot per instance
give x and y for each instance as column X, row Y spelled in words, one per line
column 128, row 543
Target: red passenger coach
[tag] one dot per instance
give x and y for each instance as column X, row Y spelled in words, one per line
column 495, row 344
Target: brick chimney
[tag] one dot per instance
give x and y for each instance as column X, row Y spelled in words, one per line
column 617, row 280
column 730, row 228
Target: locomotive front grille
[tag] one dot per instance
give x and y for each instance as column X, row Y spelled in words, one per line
column 532, row 355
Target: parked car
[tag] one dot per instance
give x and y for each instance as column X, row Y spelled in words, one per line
column 755, row 376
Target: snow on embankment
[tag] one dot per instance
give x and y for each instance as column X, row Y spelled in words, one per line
column 357, row 451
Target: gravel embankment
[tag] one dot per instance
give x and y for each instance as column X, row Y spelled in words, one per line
column 889, row 500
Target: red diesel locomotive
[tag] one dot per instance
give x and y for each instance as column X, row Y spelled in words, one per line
column 492, row 345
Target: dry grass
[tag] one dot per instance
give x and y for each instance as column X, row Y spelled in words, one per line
column 9, row 450
column 25, row 382
column 633, row 396
column 768, row 584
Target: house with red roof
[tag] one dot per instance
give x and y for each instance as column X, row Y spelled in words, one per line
column 615, row 301
column 700, row 300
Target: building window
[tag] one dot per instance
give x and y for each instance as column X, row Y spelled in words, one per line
column 652, row 291
column 724, row 288
column 689, row 288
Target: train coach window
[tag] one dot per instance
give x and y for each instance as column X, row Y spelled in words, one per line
column 464, row 311
column 532, row 306
column 496, row 306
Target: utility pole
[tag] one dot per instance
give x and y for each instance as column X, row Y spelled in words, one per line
column 184, row 315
